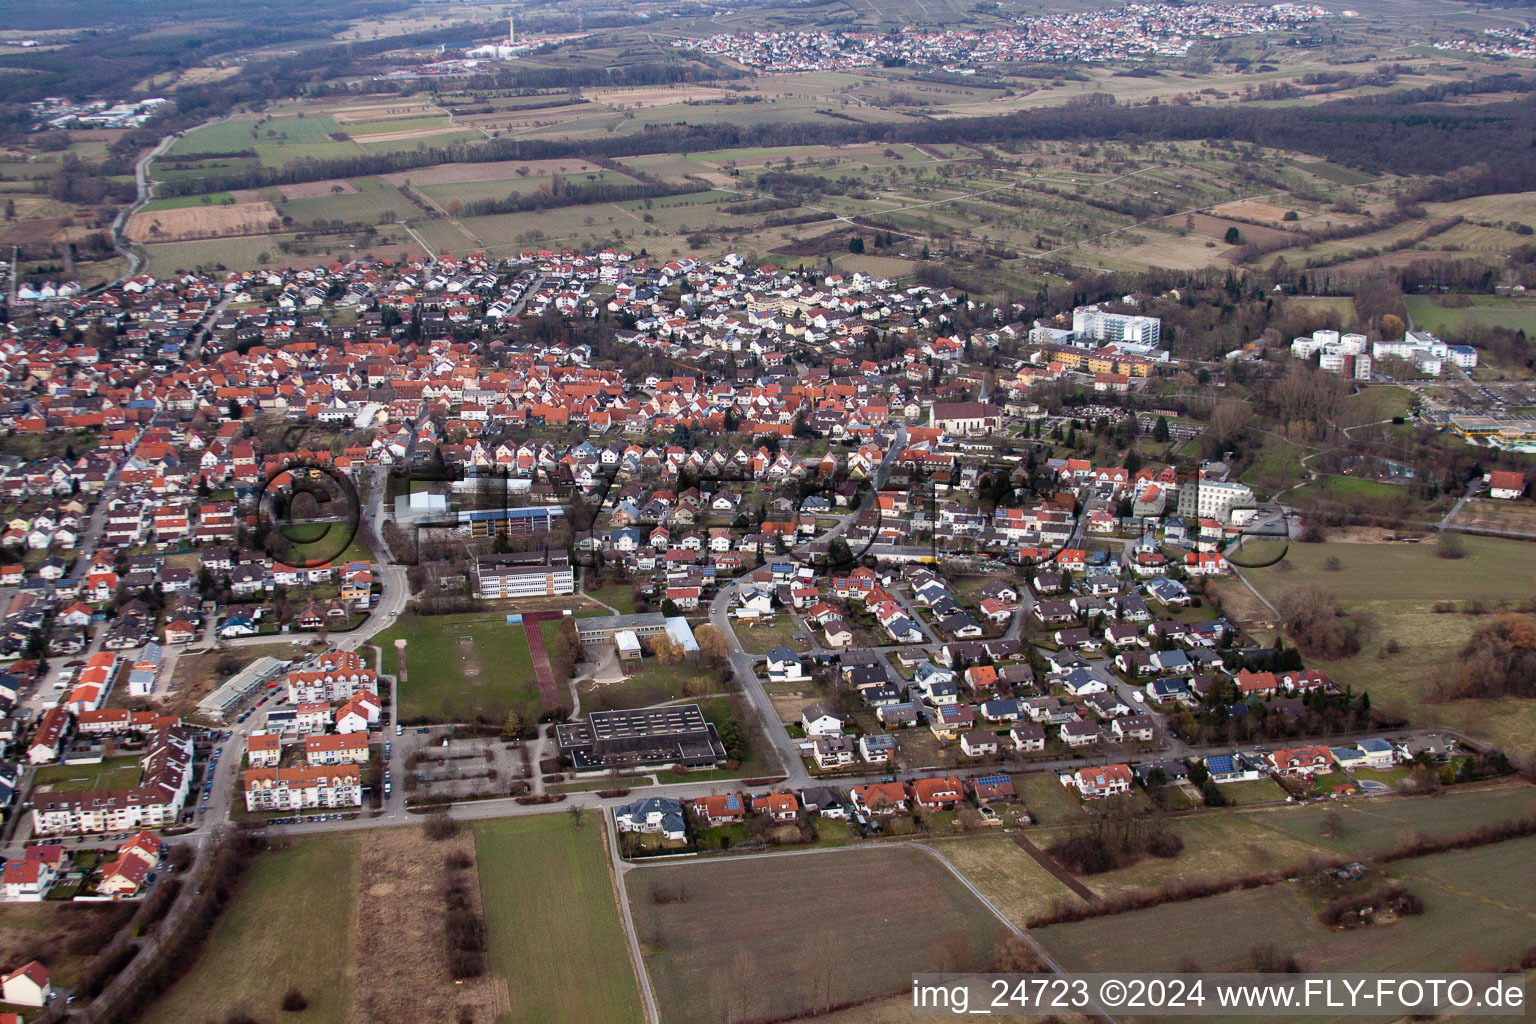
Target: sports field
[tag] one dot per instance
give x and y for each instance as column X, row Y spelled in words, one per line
column 462, row 668
column 551, row 912
column 846, row 925
column 290, row 925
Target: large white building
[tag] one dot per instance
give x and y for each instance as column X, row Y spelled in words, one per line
column 154, row 803
column 1092, row 322
column 304, row 786
column 1213, row 499
column 1427, row 352
column 507, row 576
column 333, row 676
column 1344, row 355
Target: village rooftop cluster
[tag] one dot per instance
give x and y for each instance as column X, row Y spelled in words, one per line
column 1132, row 32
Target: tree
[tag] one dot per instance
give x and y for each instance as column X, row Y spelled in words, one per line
column 455, row 207
column 1233, row 236
column 1449, row 545
column 714, row 652
column 1228, row 421
column 294, row 1001
column 667, row 650
column 856, row 244
column 1392, row 326
column 512, row 728
column 1160, row 430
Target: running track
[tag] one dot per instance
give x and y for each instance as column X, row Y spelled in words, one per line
column 542, row 671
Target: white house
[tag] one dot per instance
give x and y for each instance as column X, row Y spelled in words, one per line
column 28, row 881
column 784, row 666
column 819, row 720
column 27, row 986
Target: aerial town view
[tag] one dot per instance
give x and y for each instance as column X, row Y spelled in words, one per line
column 839, row 511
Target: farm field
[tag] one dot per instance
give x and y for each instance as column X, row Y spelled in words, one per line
column 245, row 252
column 401, row 912
column 290, row 925
column 1488, row 514
column 556, row 937
column 190, row 222
column 1043, row 199
column 462, row 668
column 703, row 953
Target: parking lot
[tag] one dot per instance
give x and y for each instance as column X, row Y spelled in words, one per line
column 436, row 766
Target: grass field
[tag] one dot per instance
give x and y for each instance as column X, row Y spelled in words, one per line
column 1013, row 880
column 1404, row 576
column 895, row 911
column 555, row 933
column 291, row 924
column 1345, row 489
column 462, row 668
column 762, row 638
column 618, row 596
column 1047, row 799
column 654, row 684
column 1484, row 311
column 1371, row 826
column 1218, row 933
column 113, row 773
column 1399, row 584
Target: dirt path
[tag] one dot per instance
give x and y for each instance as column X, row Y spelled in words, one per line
column 1061, row 874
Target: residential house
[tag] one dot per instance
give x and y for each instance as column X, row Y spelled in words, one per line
column 1027, row 737
column 1102, row 781
column 819, row 720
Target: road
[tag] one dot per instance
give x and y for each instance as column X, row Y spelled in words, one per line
column 743, row 665
column 145, row 185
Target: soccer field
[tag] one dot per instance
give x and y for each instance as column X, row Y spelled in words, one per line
column 462, row 668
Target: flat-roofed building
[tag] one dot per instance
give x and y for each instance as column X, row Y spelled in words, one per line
column 601, row 629
column 648, row 738
column 498, row 576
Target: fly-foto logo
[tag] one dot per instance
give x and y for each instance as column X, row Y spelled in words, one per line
column 307, row 513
